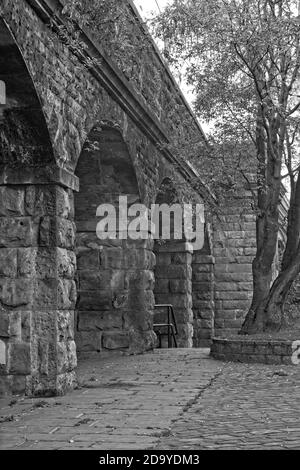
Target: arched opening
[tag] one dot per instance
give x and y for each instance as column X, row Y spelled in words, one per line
column 173, row 272
column 114, row 277
column 24, row 136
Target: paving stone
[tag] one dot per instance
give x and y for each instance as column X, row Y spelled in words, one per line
column 166, row 400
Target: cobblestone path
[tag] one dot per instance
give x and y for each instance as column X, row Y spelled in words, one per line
column 169, row 399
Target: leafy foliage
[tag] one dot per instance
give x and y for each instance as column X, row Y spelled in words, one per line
column 242, row 60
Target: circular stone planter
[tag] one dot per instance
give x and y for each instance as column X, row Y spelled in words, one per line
column 254, row 350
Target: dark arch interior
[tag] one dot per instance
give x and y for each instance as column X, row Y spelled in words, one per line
column 24, row 137
column 111, row 299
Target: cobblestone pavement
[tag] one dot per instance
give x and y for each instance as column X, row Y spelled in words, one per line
column 169, row 399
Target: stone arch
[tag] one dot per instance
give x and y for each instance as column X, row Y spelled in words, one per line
column 36, row 288
column 173, row 272
column 114, row 278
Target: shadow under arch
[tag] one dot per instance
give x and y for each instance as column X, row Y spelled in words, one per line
column 24, row 135
column 114, row 277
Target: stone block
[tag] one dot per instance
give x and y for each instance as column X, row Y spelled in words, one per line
column 201, row 268
column 234, row 304
column 66, row 263
column 181, row 286
column 139, row 300
column 90, row 280
column 234, row 295
column 56, row 231
column 140, row 259
column 4, row 325
column 15, row 325
column 181, row 258
column 240, row 268
column 65, row 325
column 162, row 286
column 45, row 294
column 203, row 277
column 204, row 313
column 163, row 259
column 27, row 262
column 233, row 277
column 17, row 232
column 88, row 341
column 66, row 294
column 183, row 315
column 115, row 341
column 8, row 262
column 16, row 293
column 3, row 358
column 141, row 320
column 6, row 382
column 66, row 357
column 44, row 344
column 11, row 201
column 139, row 280
column 173, row 272
column 93, row 321
column 112, row 258
column 95, row 300
column 26, row 326
column 88, row 259
column 19, row 359
column 205, row 261
column 48, row 200
column 64, row 203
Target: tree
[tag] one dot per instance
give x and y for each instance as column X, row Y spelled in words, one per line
column 243, row 60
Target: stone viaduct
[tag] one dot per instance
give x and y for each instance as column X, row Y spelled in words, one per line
column 77, row 131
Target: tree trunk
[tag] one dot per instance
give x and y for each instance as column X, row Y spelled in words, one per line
column 267, row 310
column 267, row 223
column 262, row 277
column 275, row 306
column 290, row 268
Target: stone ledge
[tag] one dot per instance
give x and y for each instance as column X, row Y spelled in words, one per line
column 253, row 351
column 38, row 176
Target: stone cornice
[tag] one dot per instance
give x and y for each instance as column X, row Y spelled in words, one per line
column 47, row 175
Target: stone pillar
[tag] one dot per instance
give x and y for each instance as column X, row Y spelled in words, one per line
column 234, row 250
column 115, row 308
column 173, row 285
column 37, row 289
column 203, row 299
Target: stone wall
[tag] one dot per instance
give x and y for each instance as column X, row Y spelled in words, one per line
column 59, row 288
column 100, row 133
column 254, row 351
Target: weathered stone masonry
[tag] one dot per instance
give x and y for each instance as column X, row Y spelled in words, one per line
column 63, row 292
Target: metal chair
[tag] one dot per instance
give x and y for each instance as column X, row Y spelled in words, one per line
column 170, row 325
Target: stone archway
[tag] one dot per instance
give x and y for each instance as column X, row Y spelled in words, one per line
column 114, row 277
column 173, row 271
